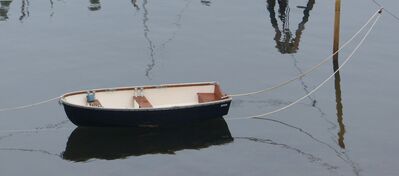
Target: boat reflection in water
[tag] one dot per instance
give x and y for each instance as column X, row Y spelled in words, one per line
column 87, row 143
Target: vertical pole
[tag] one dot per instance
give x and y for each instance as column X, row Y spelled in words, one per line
column 338, row 98
column 337, row 21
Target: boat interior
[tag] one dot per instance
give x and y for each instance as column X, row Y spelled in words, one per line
column 148, row 96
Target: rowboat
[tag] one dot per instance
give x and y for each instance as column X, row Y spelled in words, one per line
column 146, row 106
column 110, row 143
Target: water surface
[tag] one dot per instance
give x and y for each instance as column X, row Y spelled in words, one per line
column 348, row 127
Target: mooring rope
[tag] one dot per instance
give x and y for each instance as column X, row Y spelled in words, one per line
column 310, row 70
column 29, row 105
column 321, row 84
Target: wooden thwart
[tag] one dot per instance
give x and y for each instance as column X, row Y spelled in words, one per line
column 95, row 103
column 142, row 101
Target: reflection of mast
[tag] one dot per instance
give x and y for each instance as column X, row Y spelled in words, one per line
column 150, row 43
column 4, row 7
column 338, row 97
column 94, row 5
column 284, row 41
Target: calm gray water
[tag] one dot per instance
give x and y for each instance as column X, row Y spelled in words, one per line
column 51, row 47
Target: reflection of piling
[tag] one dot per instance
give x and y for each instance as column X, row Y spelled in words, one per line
column 339, row 106
column 337, row 82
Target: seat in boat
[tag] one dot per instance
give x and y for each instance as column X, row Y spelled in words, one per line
column 142, row 101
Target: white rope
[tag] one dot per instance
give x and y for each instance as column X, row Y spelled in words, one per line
column 320, row 85
column 29, row 105
column 312, row 68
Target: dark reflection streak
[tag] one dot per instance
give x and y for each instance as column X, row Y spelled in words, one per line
column 312, row 99
column 53, row 126
column 305, row 87
column 342, row 155
column 177, row 23
column 303, row 132
column 24, row 10
column 37, row 129
column 52, row 8
column 339, row 106
column 30, row 151
column 311, row 157
column 151, row 46
column 6, row 136
column 50, row 126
